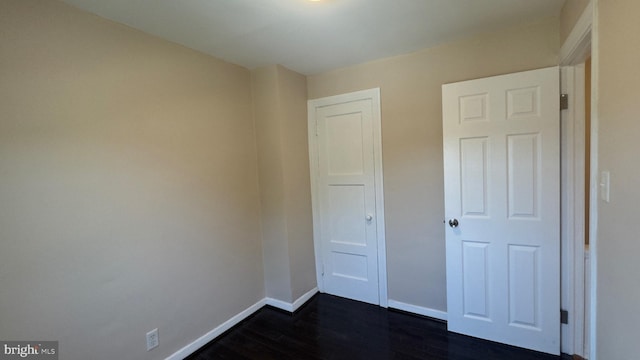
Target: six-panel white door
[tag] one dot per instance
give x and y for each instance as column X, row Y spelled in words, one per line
column 501, row 166
column 345, row 197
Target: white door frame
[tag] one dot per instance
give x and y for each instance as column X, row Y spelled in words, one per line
column 374, row 96
column 573, row 194
column 576, row 337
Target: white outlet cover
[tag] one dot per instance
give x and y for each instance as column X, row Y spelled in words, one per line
column 152, row 339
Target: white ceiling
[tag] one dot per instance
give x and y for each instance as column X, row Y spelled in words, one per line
column 313, row 37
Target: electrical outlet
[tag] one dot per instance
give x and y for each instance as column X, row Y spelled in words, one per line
column 152, row 339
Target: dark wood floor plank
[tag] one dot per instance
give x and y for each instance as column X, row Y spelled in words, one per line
column 333, row 328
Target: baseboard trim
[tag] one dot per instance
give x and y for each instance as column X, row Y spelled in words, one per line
column 420, row 310
column 282, row 305
column 217, row 331
column 206, row 338
column 291, row 307
column 304, row 298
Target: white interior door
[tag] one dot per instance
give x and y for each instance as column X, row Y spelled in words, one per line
column 346, row 172
column 501, row 164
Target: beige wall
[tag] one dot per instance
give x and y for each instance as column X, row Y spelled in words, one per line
column 412, row 141
column 571, row 11
column 616, row 67
column 280, row 112
column 128, row 184
column 277, row 272
column 293, row 101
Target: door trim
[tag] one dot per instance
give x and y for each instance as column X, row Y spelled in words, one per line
column 312, row 105
column 573, row 209
column 577, row 46
column 582, row 42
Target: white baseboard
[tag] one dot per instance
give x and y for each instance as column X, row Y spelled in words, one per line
column 304, row 298
column 291, row 307
column 432, row 313
column 282, row 305
column 206, row 338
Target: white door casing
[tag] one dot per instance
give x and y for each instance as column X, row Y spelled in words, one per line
column 348, row 211
column 578, row 335
column 572, row 80
column 501, row 165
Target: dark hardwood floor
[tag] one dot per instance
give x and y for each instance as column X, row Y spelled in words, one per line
column 329, row 327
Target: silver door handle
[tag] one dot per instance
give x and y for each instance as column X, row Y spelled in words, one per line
column 369, row 217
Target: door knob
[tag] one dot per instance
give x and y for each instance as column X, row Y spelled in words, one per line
column 369, row 217
column 453, row 223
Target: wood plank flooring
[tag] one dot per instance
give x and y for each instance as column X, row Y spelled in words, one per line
column 333, row 328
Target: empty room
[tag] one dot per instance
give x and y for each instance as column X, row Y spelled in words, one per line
column 319, row 179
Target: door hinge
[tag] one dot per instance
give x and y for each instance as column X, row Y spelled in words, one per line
column 322, row 269
column 564, row 317
column 564, row 101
